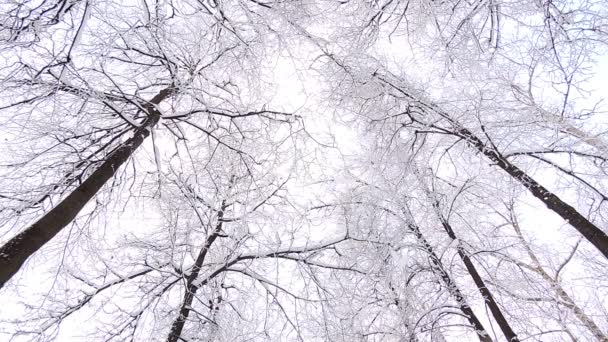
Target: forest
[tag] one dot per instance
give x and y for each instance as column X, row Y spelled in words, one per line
column 304, row 170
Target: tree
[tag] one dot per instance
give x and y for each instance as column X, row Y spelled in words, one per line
column 402, row 125
column 22, row 22
column 328, row 170
column 485, row 292
column 388, row 234
column 590, row 231
column 554, row 282
column 125, row 71
column 224, row 249
column 491, row 105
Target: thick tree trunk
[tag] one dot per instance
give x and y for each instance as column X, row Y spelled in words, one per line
column 481, row 286
column 178, row 325
column 16, row 251
column 590, row 231
column 452, row 287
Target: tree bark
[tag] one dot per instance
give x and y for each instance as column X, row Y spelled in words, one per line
column 452, row 287
column 481, row 286
column 590, row 231
column 178, row 325
column 16, row 251
column 567, row 300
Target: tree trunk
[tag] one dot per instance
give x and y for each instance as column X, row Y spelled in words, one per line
column 178, row 325
column 16, row 251
column 452, row 287
column 590, row 231
column 481, row 286
column 567, row 300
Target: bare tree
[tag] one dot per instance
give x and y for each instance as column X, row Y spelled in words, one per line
column 119, row 81
column 485, row 292
column 205, row 271
column 413, row 115
column 379, row 227
column 149, row 141
column 554, row 281
column 23, row 22
column 499, row 105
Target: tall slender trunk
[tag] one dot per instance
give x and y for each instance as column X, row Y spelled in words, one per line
column 567, row 300
column 178, row 324
column 481, row 286
column 451, row 285
column 16, row 251
column 590, row 231
column 570, row 304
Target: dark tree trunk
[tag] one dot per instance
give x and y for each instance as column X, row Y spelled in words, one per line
column 481, row 286
column 178, row 325
column 15, row 252
column 590, row 231
column 452, row 287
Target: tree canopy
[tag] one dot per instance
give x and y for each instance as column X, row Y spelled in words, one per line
column 338, row 170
